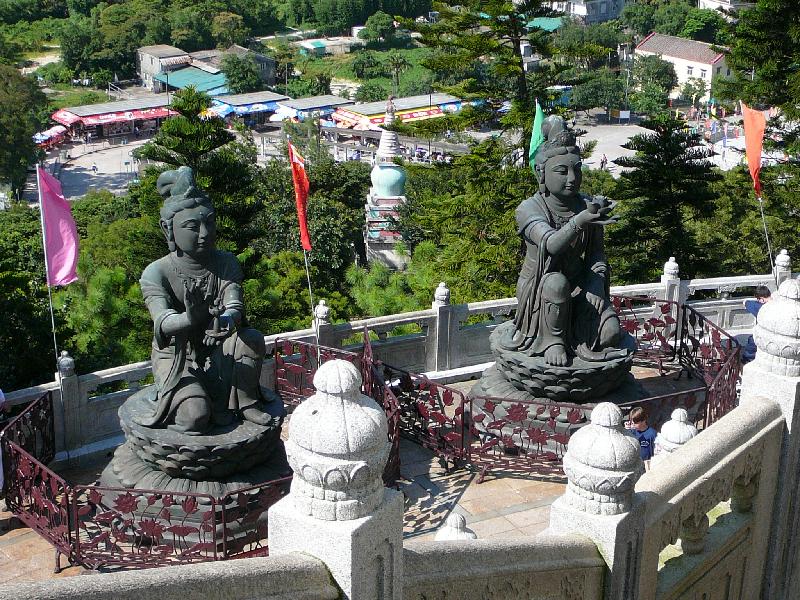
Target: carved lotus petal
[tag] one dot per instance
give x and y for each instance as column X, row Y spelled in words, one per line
column 311, row 475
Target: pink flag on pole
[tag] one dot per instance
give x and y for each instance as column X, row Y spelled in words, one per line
column 60, row 233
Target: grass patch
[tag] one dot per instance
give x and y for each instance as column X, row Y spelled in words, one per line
column 69, row 96
column 340, row 66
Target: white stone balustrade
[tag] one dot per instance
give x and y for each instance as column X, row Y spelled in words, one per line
column 674, row 434
column 338, row 510
column 447, row 348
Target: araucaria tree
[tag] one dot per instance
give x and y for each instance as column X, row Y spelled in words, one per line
column 188, row 139
column 666, row 189
column 477, row 55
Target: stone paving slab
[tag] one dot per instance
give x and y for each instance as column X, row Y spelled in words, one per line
column 505, row 505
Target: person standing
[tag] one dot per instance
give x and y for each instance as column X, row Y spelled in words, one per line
column 645, row 434
column 762, row 296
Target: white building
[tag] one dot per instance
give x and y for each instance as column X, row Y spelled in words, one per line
column 691, row 59
column 590, row 11
column 152, row 60
column 724, row 5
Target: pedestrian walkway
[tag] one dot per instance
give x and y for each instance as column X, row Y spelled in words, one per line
column 506, row 505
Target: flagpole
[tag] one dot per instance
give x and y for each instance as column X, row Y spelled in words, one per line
column 52, row 315
column 46, row 264
column 766, row 237
column 314, row 323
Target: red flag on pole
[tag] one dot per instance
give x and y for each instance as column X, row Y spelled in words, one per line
column 300, row 179
column 755, row 122
column 59, row 231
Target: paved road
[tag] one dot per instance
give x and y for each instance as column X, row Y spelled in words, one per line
column 112, row 174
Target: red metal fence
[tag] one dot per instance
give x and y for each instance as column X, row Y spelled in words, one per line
column 96, row 526
column 296, row 363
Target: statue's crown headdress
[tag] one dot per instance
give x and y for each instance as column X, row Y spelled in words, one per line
column 557, row 133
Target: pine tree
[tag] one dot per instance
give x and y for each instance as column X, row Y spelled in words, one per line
column 190, row 138
column 477, row 55
column 765, row 56
column 665, row 190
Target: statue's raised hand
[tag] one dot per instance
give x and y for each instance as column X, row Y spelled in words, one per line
column 196, row 308
column 597, row 211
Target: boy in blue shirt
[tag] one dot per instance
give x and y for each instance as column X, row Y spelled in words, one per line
column 753, row 306
column 644, row 433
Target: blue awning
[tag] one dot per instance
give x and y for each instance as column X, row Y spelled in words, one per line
column 258, row 107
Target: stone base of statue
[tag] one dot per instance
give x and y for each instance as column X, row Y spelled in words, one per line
column 520, row 376
column 226, row 459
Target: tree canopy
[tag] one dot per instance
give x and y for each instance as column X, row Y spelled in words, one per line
column 667, row 187
column 20, row 101
column 241, row 73
column 477, row 54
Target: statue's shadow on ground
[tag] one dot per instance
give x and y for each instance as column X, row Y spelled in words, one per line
column 432, row 492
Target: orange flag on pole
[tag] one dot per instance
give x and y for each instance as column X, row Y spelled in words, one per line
column 755, row 122
column 301, row 187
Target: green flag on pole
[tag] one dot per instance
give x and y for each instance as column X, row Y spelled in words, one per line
column 537, row 139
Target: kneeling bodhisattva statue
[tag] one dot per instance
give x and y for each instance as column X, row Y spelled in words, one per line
column 206, row 361
column 206, row 425
column 565, row 341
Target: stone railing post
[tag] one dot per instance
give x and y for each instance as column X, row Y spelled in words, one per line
column 774, row 374
column 323, row 326
column 603, row 464
column 438, row 342
column 673, row 290
column 455, row 528
column 783, row 267
column 671, row 280
column 69, row 434
column 338, row 509
column 674, row 434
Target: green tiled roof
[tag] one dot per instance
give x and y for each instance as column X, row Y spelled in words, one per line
column 546, row 23
column 214, row 83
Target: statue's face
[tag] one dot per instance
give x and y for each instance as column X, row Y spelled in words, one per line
column 195, row 230
column 563, row 176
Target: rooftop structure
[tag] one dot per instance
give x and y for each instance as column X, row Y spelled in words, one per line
column 316, row 102
column 211, row 60
column 329, row 45
column 119, row 106
column 151, row 60
column 412, row 108
column 154, row 107
column 589, row 11
column 162, row 51
column 245, row 104
column 547, row 23
column 251, row 98
column 691, row 59
column 724, row 6
column 211, row 83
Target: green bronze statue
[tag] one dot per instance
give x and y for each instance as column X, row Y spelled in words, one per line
column 564, row 307
column 206, row 361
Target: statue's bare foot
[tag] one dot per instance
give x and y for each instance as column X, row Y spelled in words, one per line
column 256, row 414
column 556, row 355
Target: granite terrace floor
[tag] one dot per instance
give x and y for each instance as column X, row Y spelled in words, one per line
column 505, row 505
column 502, row 505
